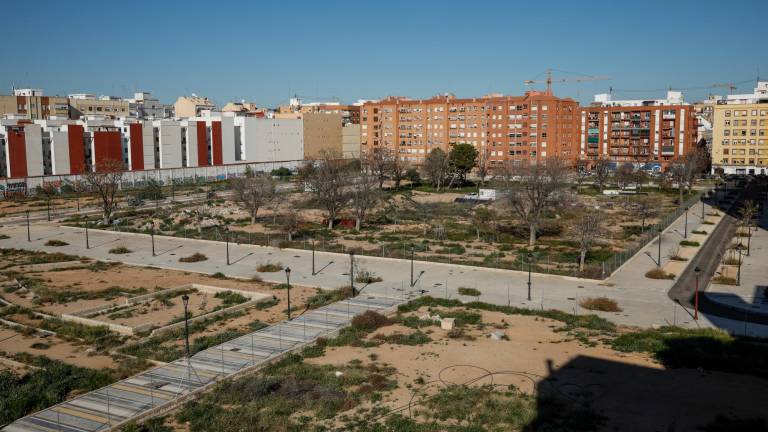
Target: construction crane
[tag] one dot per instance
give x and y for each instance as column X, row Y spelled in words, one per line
column 574, row 79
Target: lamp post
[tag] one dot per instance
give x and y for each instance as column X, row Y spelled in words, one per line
column 87, row 242
column 529, row 256
column 288, row 287
column 29, row 237
column 185, row 300
column 412, row 252
column 226, row 240
column 658, row 263
column 48, row 202
column 313, row 257
column 697, row 270
column 685, row 232
column 702, row 207
column 738, row 271
column 152, row 236
column 749, row 238
column 352, row 272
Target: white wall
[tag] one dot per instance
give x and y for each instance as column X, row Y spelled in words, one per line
column 170, row 145
column 228, row 140
column 34, row 145
column 271, row 139
column 60, row 163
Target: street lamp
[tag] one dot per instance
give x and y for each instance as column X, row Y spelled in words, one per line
column 530, row 256
column 87, row 242
column 226, row 239
column 412, row 252
column 738, row 272
column 152, row 236
column 702, row 207
column 313, row 257
column 658, row 263
column 685, row 233
column 352, row 272
column 288, row 287
column 29, row 238
column 48, row 202
column 185, row 300
column 697, row 270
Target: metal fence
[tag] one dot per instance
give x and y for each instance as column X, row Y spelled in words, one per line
column 619, row 258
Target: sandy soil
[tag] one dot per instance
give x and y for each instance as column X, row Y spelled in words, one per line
column 159, row 314
column 13, row 342
column 635, row 392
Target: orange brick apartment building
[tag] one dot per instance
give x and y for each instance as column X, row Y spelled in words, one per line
column 529, row 127
column 532, row 127
column 652, row 132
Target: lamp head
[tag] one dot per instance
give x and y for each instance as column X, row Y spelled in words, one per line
column 697, row 270
column 288, row 271
column 185, row 299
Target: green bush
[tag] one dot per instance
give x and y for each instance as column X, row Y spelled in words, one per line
column 56, row 243
column 229, row 298
column 471, row 292
column 689, row 243
column 120, row 250
column 658, row 273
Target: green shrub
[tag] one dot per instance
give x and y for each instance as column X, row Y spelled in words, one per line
column 229, row 298
column 689, row 243
column 470, row 292
column 56, row 243
column 120, row 250
column 698, row 232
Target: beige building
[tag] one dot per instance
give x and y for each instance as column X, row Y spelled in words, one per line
column 247, row 109
column 740, row 133
column 192, row 106
column 350, row 141
column 32, row 104
column 322, row 132
column 81, row 105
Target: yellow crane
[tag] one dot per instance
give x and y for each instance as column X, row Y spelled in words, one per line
column 573, row 79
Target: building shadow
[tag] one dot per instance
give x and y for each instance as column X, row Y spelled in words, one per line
column 702, row 384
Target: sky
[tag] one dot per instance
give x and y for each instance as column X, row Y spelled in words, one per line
column 266, row 52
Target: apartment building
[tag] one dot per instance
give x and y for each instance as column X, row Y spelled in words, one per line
column 247, row 109
column 144, row 106
column 740, row 133
column 648, row 133
column 519, row 128
column 85, row 104
column 192, row 106
column 32, row 104
column 350, row 141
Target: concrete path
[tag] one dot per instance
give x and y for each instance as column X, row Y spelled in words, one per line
column 160, row 387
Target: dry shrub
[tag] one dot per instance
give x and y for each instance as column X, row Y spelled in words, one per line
column 195, row 257
column 658, row 273
column 269, row 267
column 370, row 321
column 56, row 243
column 603, row 304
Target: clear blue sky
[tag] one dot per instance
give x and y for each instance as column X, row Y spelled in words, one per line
column 265, row 51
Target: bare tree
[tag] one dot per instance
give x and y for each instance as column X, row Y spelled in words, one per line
column 437, row 166
column 587, row 230
column 376, row 162
column 538, row 188
column 201, row 212
column 685, row 170
column 364, row 197
column 326, row 178
column 581, row 173
column 482, row 219
column 625, row 174
column 643, row 208
column 104, row 181
column 290, row 222
column 253, row 192
column 602, row 170
column 397, row 167
column 483, row 164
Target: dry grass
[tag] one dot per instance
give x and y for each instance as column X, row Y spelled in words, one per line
column 120, row 250
column 603, row 304
column 724, row 280
column 658, row 273
column 195, row 257
column 269, row 267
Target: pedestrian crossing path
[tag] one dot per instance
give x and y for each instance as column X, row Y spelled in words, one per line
column 104, row 408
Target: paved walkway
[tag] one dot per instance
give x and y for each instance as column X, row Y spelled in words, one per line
column 161, row 386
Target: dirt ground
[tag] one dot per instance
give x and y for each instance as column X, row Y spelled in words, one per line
column 632, row 390
column 13, row 342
